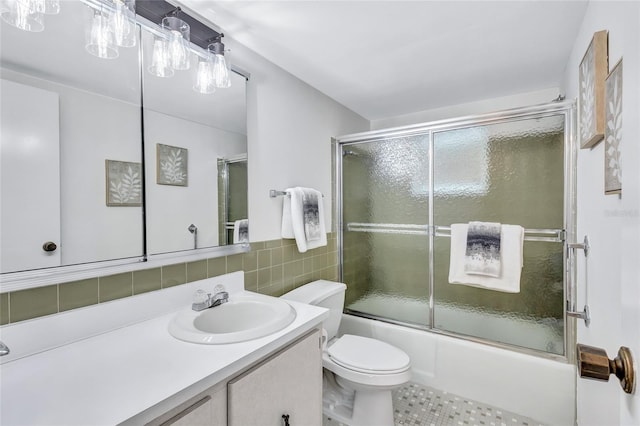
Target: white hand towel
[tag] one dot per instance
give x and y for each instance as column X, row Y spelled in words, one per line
column 314, row 219
column 241, row 231
column 512, row 240
column 287, row 227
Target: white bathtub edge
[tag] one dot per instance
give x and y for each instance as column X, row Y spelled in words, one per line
column 531, row 386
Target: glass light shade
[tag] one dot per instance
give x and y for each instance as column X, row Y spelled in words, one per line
column 204, row 76
column 48, row 7
column 122, row 23
column 22, row 14
column 221, row 76
column 178, row 47
column 160, row 60
column 100, row 39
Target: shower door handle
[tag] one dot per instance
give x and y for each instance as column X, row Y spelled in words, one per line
column 585, row 314
column 593, row 363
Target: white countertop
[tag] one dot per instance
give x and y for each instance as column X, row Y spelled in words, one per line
column 114, row 376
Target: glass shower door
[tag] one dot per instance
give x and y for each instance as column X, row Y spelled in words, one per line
column 400, row 192
column 512, row 173
column 385, row 205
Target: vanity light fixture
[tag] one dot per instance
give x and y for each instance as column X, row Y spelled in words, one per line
column 122, row 23
column 213, row 70
column 113, row 25
column 160, row 66
column 177, row 36
column 100, row 40
column 178, row 51
column 204, row 76
column 28, row 15
column 171, row 46
column 221, row 77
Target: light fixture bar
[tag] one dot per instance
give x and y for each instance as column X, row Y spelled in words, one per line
column 156, row 10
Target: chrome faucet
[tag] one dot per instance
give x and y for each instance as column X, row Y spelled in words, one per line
column 4, row 349
column 204, row 300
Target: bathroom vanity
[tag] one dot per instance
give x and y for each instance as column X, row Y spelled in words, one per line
column 116, row 363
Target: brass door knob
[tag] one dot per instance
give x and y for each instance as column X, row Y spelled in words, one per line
column 593, row 363
column 49, row 246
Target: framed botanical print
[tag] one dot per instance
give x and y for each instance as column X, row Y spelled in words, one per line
column 592, row 74
column 613, row 131
column 124, row 183
column 172, row 166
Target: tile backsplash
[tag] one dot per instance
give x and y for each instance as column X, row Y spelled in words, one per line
column 270, row 267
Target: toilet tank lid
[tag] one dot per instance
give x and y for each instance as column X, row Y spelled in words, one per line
column 315, row 291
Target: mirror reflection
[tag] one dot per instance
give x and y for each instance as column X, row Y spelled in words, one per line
column 187, row 134
column 71, row 133
column 72, row 125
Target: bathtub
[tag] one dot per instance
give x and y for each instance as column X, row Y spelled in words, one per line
column 535, row 387
column 543, row 335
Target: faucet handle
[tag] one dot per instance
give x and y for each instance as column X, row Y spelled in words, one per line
column 218, row 289
column 201, row 300
column 200, row 296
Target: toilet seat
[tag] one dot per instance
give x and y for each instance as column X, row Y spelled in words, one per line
column 369, row 356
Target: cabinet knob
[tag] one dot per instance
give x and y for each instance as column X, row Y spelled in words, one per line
column 49, row 246
column 285, row 419
column 593, row 363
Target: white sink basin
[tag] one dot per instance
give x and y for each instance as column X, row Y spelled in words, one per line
column 246, row 316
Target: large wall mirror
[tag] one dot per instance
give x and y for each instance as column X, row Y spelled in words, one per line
column 75, row 187
column 184, row 127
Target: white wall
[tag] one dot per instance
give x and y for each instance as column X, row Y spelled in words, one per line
column 289, row 128
column 610, row 221
column 471, row 108
column 171, row 209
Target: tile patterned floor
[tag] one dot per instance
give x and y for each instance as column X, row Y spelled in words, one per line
column 419, row 405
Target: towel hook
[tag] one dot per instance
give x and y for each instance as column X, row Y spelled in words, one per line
column 274, row 193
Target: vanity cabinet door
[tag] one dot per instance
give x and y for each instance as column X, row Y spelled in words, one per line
column 289, row 383
column 206, row 409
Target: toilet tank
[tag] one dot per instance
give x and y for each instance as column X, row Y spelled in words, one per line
column 327, row 294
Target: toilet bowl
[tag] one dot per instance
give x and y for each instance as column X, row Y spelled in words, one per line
column 360, row 373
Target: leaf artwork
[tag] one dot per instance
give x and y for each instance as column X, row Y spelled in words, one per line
column 587, row 97
column 127, row 189
column 124, row 183
column 613, row 132
column 172, row 165
column 592, row 73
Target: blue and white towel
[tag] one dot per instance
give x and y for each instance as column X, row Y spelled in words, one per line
column 241, row 231
column 482, row 256
column 511, row 260
column 303, row 218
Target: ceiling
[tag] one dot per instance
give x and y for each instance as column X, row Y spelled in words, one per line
column 387, row 58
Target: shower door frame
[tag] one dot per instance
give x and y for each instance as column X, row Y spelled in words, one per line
column 567, row 235
column 224, row 224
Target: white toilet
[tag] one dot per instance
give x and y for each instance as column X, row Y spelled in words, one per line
column 359, row 372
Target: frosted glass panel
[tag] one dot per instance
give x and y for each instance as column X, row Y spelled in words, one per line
column 385, row 263
column 510, row 173
column 531, row 319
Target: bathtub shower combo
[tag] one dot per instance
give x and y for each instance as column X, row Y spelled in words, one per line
column 400, row 190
